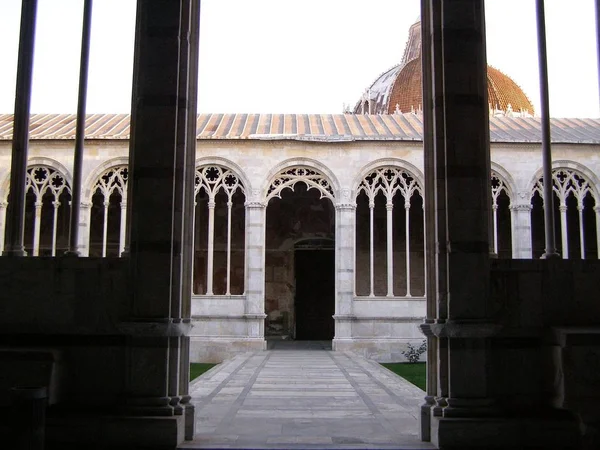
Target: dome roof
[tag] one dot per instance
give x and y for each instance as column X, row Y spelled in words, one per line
column 399, row 89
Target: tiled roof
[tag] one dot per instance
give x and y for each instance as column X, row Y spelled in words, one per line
column 308, row 127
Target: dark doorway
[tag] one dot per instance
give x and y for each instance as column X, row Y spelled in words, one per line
column 315, row 294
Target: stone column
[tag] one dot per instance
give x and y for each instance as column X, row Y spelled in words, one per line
column 256, row 214
column 459, row 163
column 429, row 221
column 163, row 117
column 564, row 229
column 344, row 256
column 15, row 215
column 37, row 228
column 597, row 211
column 520, row 217
column 2, row 224
column 85, row 216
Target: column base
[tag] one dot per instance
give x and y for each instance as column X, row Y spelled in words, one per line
column 560, row 431
column 115, row 432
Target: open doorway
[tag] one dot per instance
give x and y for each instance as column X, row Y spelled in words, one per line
column 314, row 302
column 300, row 266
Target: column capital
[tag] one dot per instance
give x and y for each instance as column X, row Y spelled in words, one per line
column 346, row 206
column 86, row 205
column 597, row 209
column 562, row 208
column 521, row 207
column 3, row 204
column 255, row 205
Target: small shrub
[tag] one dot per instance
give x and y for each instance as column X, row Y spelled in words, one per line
column 414, row 353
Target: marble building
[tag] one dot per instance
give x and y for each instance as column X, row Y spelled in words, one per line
column 308, row 227
column 312, row 226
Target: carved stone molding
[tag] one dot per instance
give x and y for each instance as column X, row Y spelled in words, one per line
column 454, row 329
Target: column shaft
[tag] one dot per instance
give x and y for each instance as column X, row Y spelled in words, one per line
column 158, row 199
column 255, row 265
column 597, row 211
column 37, row 228
column 581, row 232
column 122, row 226
column 105, row 228
column 56, row 205
column 228, row 289
column 371, row 251
column 15, row 215
column 407, row 238
column 463, row 187
column 390, row 249
column 85, row 216
column 2, row 224
column 211, row 247
column 495, row 220
column 345, row 247
column 564, row 231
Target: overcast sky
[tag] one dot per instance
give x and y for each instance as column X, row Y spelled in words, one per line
column 292, row 56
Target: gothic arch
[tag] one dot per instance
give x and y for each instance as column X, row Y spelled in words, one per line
column 315, row 174
column 506, row 178
column 36, row 161
column 411, row 169
column 594, row 182
column 92, row 178
column 226, row 164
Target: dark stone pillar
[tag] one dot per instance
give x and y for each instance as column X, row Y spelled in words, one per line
column 162, row 148
column 457, row 168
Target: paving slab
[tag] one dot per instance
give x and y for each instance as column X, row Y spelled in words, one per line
column 304, row 398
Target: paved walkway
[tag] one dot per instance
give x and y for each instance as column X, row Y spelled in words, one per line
column 304, row 399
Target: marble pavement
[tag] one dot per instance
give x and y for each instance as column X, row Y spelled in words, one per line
column 304, row 399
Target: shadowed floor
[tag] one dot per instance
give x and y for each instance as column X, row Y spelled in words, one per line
column 304, row 399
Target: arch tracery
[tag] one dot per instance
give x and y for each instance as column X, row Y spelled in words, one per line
column 313, row 178
column 47, row 190
column 218, row 190
column 572, row 188
column 389, row 181
column 109, row 200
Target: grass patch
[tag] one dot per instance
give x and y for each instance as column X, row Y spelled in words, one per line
column 197, row 369
column 416, row 373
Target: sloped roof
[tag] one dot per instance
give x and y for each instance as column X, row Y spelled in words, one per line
column 308, row 127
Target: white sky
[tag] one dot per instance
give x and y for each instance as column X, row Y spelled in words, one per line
column 292, row 56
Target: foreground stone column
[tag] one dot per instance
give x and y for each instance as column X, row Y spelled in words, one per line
column 467, row 187
column 344, row 256
column 429, row 224
column 161, row 148
column 466, row 414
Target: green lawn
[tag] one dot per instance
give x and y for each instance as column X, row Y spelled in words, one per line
column 413, row 372
column 197, row 369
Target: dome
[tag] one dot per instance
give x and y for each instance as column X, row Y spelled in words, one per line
column 399, row 89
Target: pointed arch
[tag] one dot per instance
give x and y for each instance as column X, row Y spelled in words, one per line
column 389, row 195
column 219, row 256
column 312, row 173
